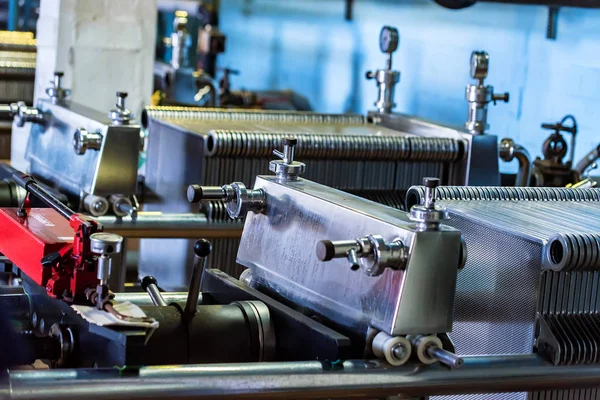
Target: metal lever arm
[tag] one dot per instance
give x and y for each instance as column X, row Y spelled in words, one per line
column 202, row 250
column 150, row 285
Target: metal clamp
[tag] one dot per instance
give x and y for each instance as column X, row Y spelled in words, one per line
column 84, row 140
column 428, row 216
column 287, row 169
column 120, row 115
column 56, row 92
column 386, row 79
column 238, row 199
column 379, row 253
column 479, row 96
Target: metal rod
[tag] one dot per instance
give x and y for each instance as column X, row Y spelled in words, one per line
column 148, row 283
column 142, row 299
column 13, row 15
column 358, row 379
column 445, row 357
column 202, row 249
column 158, row 225
column 29, row 184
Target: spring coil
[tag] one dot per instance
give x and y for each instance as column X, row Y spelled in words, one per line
column 217, row 114
column 227, row 143
column 416, row 194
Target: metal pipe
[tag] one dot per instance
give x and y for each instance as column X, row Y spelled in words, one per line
column 13, row 15
column 509, row 150
column 588, row 160
column 303, row 380
column 142, row 298
column 159, row 225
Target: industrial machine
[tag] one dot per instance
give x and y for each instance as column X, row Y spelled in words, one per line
column 185, row 71
column 343, row 298
column 211, row 146
column 17, row 76
column 82, row 154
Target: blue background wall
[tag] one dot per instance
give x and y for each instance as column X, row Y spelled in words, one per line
column 307, row 46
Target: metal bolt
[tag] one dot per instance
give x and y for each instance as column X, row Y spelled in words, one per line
column 121, row 96
column 430, row 185
column 399, row 351
column 57, row 79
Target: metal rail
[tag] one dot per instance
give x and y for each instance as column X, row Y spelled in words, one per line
column 311, row 379
column 157, row 225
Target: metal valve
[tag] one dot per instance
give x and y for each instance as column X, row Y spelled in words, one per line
column 376, row 252
column 238, row 199
column 107, row 245
column 287, row 169
column 479, row 96
column 84, row 140
column 120, row 115
column 428, row 216
column 386, row 79
column 56, row 92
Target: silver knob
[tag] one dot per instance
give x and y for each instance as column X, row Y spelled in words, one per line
column 238, row 199
column 84, row 140
column 428, row 216
column 287, row 169
column 56, row 92
column 120, row 115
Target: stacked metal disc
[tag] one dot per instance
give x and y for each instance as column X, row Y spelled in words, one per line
column 532, row 278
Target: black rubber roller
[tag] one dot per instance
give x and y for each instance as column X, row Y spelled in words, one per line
column 325, row 250
column 202, row 248
column 147, row 281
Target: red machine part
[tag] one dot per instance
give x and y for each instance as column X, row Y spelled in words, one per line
column 52, row 251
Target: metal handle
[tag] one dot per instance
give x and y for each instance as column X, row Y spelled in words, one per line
column 383, row 254
column 150, row 285
column 202, row 249
column 238, row 199
column 31, row 186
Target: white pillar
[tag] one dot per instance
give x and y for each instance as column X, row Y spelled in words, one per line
column 102, row 46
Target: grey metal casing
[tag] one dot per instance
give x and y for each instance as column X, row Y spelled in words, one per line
column 480, row 166
column 279, row 246
column 110, row 170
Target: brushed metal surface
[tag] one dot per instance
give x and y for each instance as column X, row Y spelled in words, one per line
column 110, row 170
column 280, row 248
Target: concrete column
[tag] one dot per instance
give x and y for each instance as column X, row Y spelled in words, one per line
column 102, row 46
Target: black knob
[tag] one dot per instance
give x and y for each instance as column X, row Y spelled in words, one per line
column 50, row 260
column 194, row 193
column 290, row 141
column 60, row 74
column 325, row 250
column 431, row 182
column 202, row 248
column 122, row 94
column 147, row 281
column 369, row 75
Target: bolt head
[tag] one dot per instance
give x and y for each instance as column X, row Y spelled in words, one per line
column 290, row 141
column 431, row 182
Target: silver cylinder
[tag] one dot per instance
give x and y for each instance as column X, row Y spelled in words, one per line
column 357, row 379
